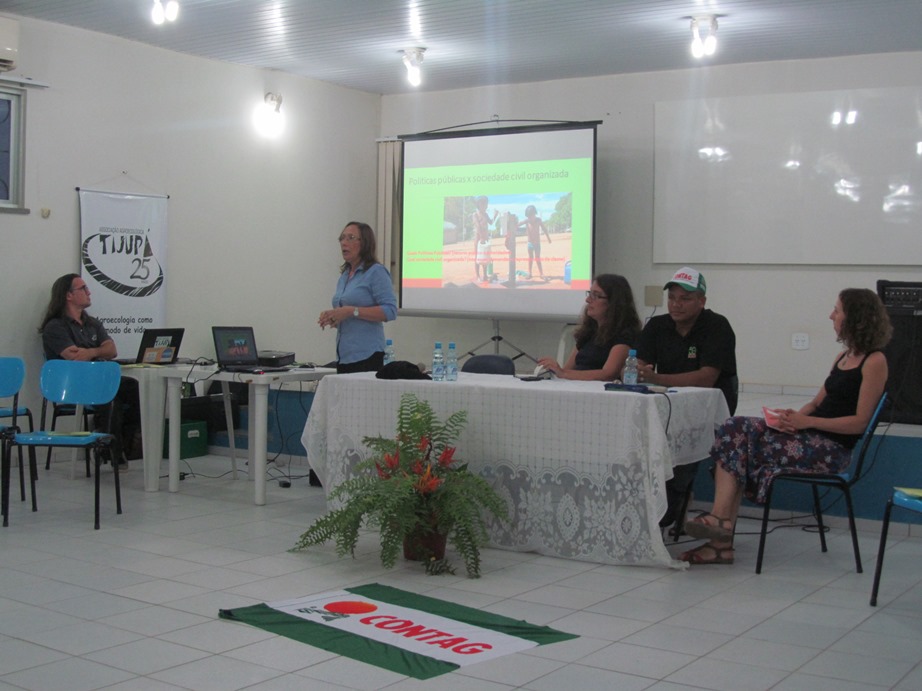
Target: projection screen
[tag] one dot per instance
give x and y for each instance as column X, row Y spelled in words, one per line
column 498, row 223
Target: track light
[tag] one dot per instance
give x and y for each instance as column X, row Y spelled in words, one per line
column 412, row 57
column 707, row 46
column 268, row 118
column 159, row 13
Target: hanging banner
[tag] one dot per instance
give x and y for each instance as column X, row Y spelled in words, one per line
column 122, row 255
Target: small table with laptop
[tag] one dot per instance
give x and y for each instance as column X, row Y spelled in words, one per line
column 158, row 348
column 160, row 375
column 237, row 361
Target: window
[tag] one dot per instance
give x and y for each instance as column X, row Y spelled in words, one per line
column 12, row 103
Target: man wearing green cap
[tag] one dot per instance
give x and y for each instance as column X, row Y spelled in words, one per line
column 689, row 346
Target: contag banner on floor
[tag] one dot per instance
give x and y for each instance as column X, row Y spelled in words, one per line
column 122, row 258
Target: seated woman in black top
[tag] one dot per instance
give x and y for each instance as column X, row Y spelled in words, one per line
column 817, row 438
column 608, row 329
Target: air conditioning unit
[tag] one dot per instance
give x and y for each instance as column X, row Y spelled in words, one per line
column 9, row 44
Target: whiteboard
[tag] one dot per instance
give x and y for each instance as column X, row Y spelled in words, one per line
column 831, row 177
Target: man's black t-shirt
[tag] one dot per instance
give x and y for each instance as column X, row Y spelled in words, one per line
column 710, row 343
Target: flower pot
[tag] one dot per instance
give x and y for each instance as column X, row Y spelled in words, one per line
column 424, row 544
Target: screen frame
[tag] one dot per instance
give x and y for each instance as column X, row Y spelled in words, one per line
column 492, row 128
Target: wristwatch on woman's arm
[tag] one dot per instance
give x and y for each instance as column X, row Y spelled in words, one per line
column 355, row 312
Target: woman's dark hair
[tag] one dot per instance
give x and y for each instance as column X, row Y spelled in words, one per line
column 368, row 246
column 58, row 301
column 867, row 325
column 620, row 317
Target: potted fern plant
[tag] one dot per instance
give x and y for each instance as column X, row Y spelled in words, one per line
column 414, row 490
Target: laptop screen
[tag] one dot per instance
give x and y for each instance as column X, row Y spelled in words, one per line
column 235, row 346
column 160, row 346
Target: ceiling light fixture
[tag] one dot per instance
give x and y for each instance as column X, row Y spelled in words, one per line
column 412, row 57
column 707, row 46
column 268, row 118
column 159, row 13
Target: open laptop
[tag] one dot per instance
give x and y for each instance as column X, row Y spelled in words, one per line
column 158, row 347
column 235, row 350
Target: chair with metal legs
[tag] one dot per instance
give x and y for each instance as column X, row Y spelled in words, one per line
column 12, row 374
column 58, row 410
column 841, row 481
column 910, row 500
column 79, row 384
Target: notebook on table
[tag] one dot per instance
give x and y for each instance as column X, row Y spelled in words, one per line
column 235, row 350
column 158, row 347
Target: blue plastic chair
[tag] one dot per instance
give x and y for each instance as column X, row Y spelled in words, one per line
column 12, row 374
column 902, row 500
column 74, row 383
column 57, row 411
column 841, row 481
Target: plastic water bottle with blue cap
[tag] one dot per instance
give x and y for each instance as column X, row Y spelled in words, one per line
column 438, row 363
column 451, row 363
column 389, row 354
column 630, row 368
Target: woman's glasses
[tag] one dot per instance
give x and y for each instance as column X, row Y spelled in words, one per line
column 595, row 296
column 348, row 238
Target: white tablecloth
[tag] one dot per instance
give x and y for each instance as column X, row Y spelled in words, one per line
column 583, row 470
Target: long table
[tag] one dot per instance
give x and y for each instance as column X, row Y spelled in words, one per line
column 151, row 389
column 583, row 470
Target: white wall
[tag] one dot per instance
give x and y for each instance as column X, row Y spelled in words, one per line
column 252, row 223
column 765, row 304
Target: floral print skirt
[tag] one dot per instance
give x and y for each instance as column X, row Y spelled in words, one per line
column 753, row 453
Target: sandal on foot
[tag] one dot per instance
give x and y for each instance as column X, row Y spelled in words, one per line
column 699, row 527
column 708, row 554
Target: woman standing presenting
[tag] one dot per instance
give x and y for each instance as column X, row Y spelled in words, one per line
column 363, row 301
column 608, row 330
column 819, row 437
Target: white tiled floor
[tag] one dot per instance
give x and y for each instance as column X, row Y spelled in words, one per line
column 134, row 605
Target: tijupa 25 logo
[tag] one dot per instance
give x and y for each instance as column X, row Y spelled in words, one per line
column 122, row 260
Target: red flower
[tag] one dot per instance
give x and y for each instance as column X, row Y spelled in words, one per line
column 392, row 461
column 446, row 458
column 423, row 443
column 417, row 468
column 381, row 472
column 427, row 482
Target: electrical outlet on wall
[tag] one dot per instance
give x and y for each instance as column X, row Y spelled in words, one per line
column 800, row 341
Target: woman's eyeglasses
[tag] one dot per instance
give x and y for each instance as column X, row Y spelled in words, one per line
column 595, row 296
column 349, row 238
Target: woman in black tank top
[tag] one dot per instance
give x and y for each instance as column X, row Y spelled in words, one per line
column 817, row 438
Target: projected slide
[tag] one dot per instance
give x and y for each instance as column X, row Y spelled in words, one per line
column 498, row 225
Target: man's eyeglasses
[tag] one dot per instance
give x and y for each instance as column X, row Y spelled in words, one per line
column 595, row 296
column 350, row 238
column 84, row 288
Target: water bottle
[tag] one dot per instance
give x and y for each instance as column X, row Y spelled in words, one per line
column 451, row 363
column 438, row 363
column 389, row 355
column 630, row 368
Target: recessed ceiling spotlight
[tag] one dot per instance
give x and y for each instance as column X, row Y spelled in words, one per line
column 159, row 13
column 412, row 57
column 707, row 46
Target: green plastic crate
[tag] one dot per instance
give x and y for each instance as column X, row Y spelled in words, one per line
column 193, row 439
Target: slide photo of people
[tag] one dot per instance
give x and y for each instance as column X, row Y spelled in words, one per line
column 507, row 241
